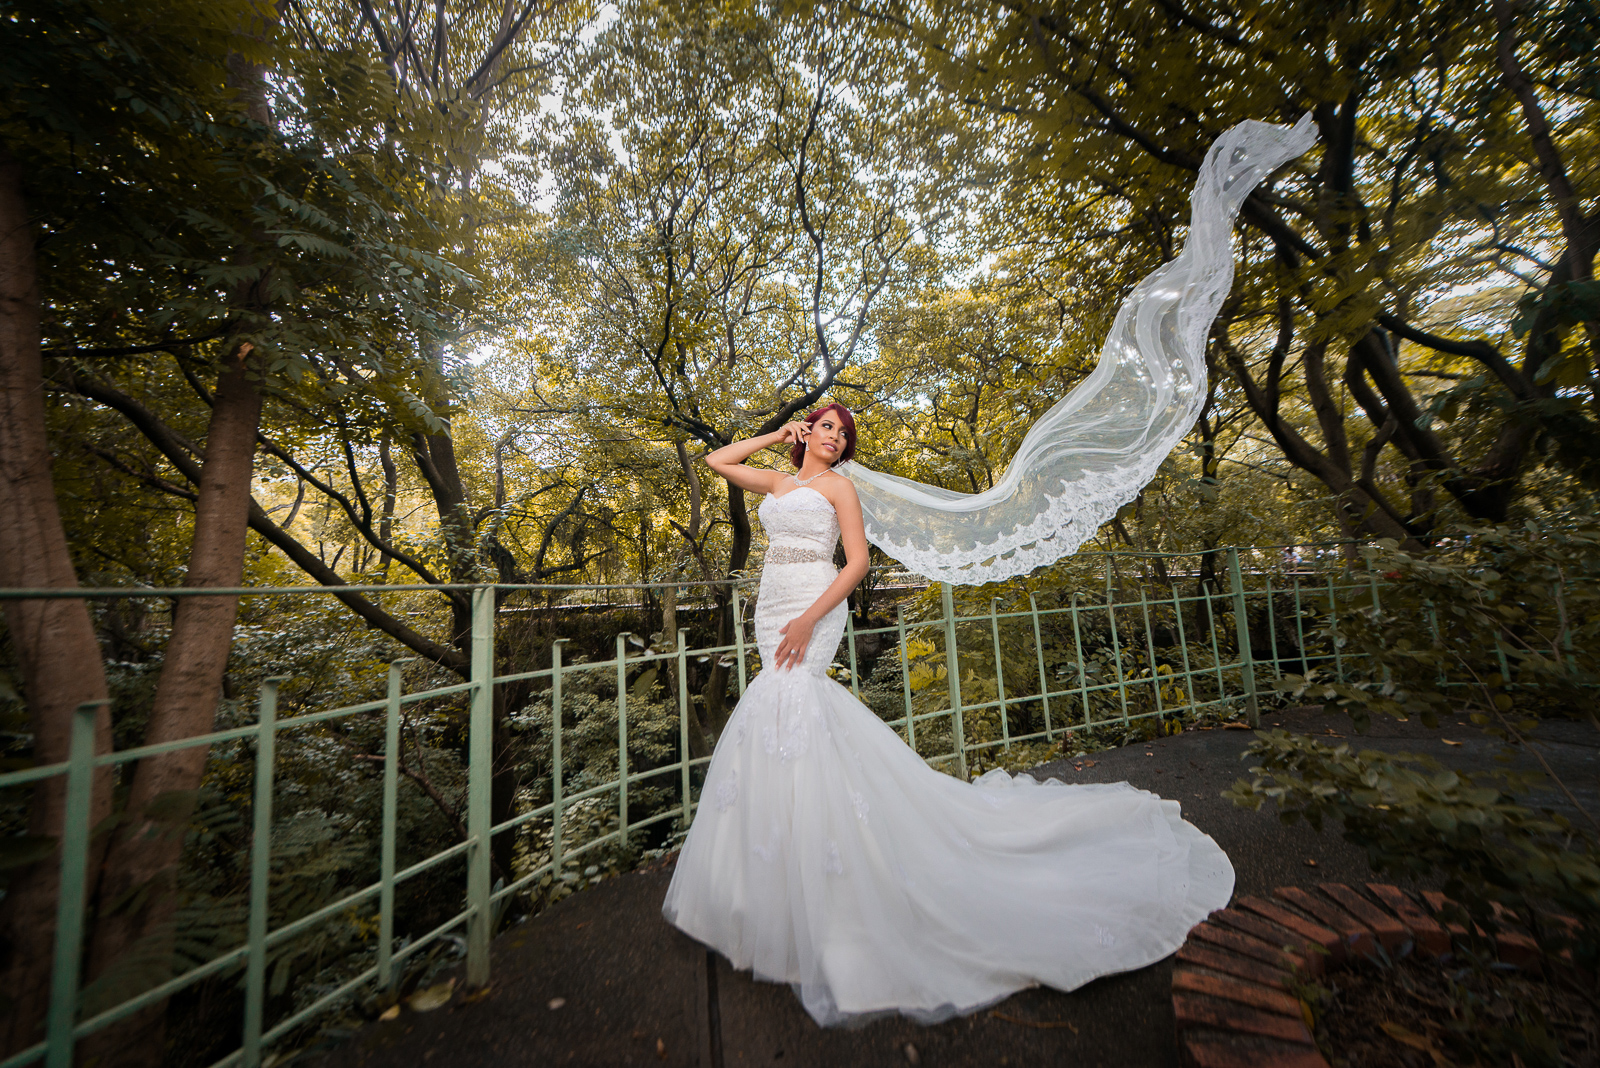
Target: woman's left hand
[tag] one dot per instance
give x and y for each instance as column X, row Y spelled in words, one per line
column 796, row 636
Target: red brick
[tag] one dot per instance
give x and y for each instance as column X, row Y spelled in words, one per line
column 1265, row 930
column 1517, row 949
column 1432, row 939
column 1220, row 1052
column 1357, row 939
column 1391, row 933
column 1222, row 986
column 1437, row 902
column 1571, row 926
column 1227, row 938
column 1511, row 944
column 1311, row 932
column 1196, row 1010
column 1218, row 960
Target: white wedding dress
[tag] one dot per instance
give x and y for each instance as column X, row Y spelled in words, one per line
column 826, row 854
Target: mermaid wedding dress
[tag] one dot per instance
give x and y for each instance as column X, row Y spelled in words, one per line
column 826, row 854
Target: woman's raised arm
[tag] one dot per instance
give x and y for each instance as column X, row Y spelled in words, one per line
column 729, row 461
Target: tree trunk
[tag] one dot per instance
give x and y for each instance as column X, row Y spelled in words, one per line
column 54, row 640
column 715, row 692
column 391, row 486
column 133, row 932
column 699, row 746
column 136, row 889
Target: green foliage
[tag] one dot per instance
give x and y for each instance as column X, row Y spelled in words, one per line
column 588, row 759
column 1500, row 623
column 178, row 207
column 1415, row 818
column 1503, row 622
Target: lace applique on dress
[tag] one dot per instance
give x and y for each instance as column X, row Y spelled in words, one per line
column 786, row 740
column 1104, row 936
column 832, row 863
column 770, row 849
column 728, row 792
column 796, row 740
column 860, row 805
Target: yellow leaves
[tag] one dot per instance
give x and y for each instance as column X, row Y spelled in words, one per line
column 922, row 675
column 433, row 997
column 1410, row 1038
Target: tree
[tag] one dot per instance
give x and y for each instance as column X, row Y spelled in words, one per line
column 1448, row 140
column 293, row 282
column 769, row 186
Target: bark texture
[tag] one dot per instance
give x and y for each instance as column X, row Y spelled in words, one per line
column 54, row 640
column 134, row 932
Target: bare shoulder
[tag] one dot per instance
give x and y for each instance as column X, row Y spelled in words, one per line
column 772, row 479
column 840, row 491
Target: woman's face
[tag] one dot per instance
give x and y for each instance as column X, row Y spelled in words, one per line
column 827, row 438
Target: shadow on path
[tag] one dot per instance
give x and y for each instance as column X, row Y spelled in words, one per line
column 635, row 991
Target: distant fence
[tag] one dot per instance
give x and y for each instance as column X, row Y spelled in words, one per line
column 1103, row 657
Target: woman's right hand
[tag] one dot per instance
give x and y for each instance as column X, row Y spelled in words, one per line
column 795, row 433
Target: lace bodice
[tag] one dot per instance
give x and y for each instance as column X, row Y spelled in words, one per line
column 800, row 519
column 802, row 530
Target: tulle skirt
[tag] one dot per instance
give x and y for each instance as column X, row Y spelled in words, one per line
column 826, row 854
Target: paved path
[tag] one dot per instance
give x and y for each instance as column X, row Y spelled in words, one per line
column 637, row 992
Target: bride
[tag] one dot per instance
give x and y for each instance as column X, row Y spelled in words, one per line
column 828, row 855
column 825, row 853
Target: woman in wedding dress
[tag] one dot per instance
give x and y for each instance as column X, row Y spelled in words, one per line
column 826, row 854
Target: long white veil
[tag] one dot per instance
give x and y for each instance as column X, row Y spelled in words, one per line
column 1100, row 444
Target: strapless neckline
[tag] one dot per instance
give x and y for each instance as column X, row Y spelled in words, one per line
column 776, row 497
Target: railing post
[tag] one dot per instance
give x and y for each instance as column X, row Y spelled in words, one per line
column 1116, row 644
column 255, row 986
column 850, row 643
column 999, row 674
column 738, row 635
column 1044, row 683
column 480, row 758
column 1150, row 649
column 1300, row 628
column 1338, row 640
column 683, row 719
column 1272, row 632
column 952, row 669
column 1183, row 646
column 1083, row 669
column 1241, row 621
column 905, row 680
column 557, row 649
column 622, row 737
column 391, row 815
column 74, row 887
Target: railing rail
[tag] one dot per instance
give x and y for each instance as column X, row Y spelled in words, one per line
column 1139, row 656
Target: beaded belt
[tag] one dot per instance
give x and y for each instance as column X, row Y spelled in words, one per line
column 790, row 554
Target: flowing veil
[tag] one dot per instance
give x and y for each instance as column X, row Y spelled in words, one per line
column 1100, row 444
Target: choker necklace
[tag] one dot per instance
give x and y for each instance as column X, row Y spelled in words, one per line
column 798, row 481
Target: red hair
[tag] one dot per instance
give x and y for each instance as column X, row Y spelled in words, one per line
column 797, row 451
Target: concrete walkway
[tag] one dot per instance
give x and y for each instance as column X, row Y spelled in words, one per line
column 631, row 990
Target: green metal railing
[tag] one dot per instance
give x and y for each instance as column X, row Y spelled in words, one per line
column 1183, row 671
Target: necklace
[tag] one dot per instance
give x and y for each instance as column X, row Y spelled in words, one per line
column 798, row 481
